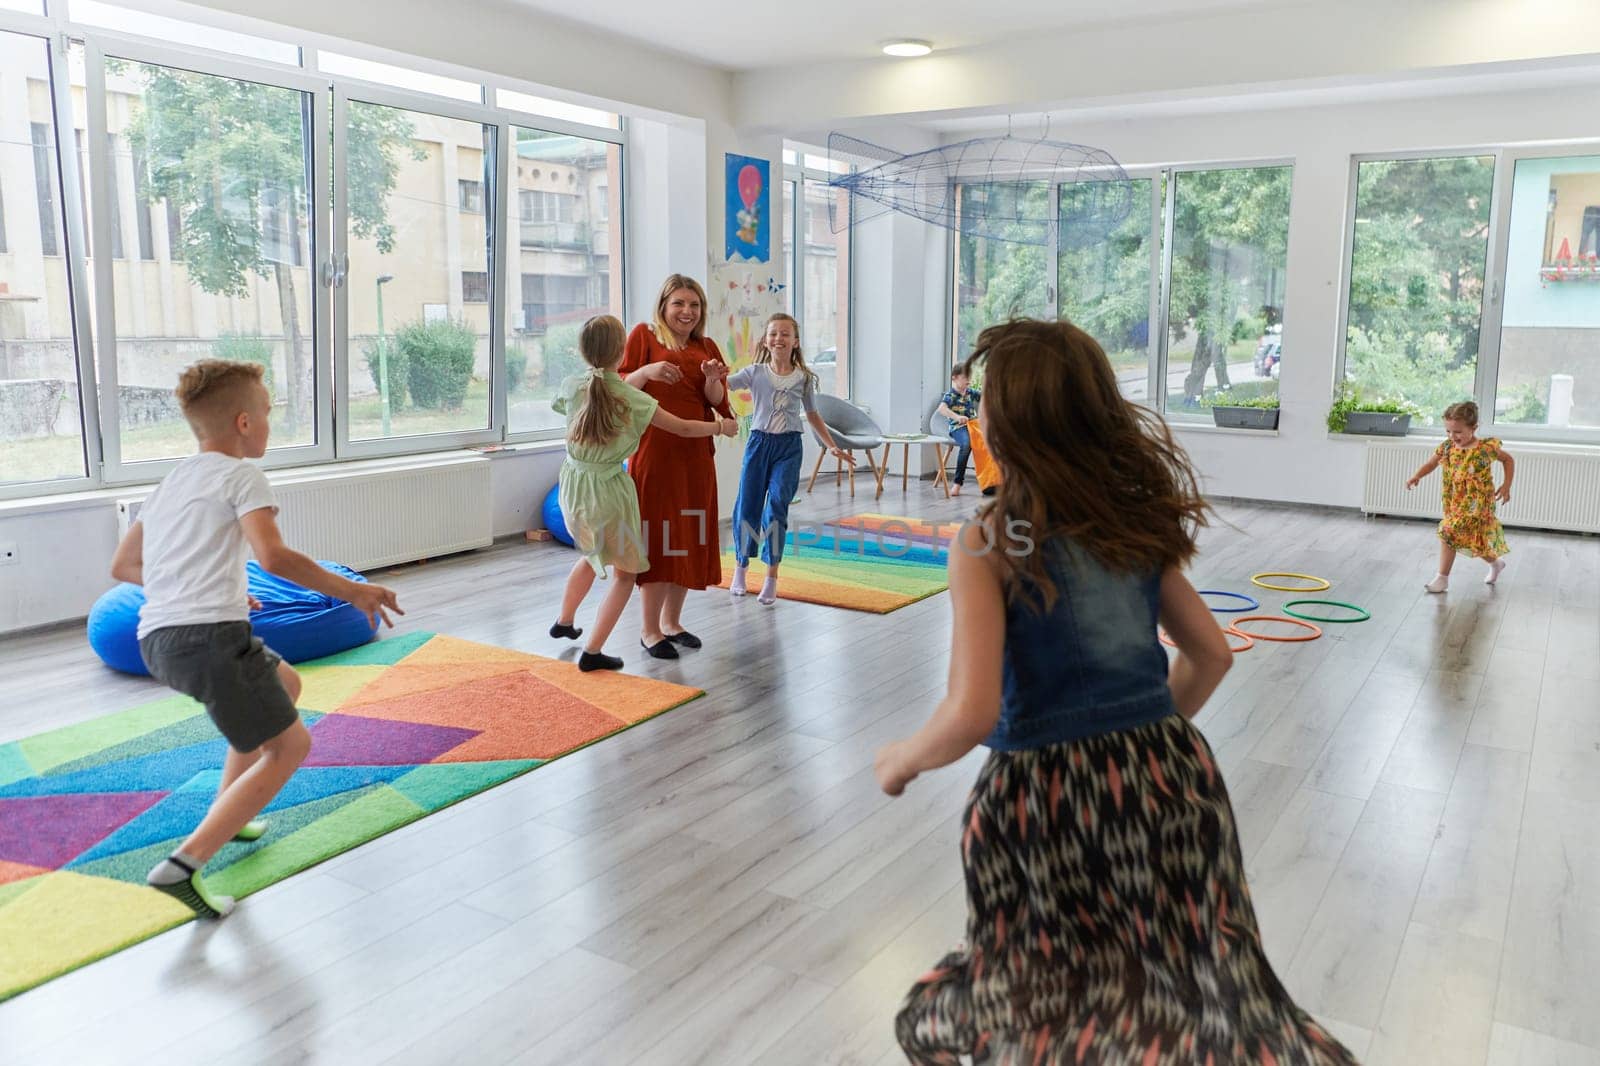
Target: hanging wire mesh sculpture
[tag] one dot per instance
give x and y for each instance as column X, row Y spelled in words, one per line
column 997, row 187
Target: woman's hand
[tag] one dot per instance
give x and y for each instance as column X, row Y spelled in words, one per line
column 666, row 373
column 893, row 770
column 714, row 370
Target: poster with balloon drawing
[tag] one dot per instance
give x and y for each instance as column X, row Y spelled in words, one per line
column 748, row 214
column 742, row 298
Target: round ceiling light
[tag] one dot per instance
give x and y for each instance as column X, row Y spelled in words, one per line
column 907, row 47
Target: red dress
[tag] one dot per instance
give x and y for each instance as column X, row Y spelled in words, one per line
column 677, row 476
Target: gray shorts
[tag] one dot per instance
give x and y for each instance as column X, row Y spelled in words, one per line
column 227, row 668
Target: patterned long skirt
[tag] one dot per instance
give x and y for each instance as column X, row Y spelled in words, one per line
column 1108, row 922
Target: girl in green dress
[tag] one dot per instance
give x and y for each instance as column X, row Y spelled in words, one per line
column 605, row 418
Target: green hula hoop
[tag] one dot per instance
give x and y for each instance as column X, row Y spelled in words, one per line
column 1288, row 610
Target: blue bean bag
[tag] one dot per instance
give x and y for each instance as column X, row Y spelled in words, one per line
column 551, row 513
column 295, row 622
column 553, row 521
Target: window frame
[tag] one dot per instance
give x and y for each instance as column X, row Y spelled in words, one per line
column 77, row 199
column 1163, row 221
column 344, row 94
column 1490, row 330
column 97, row 49
column 799, row 174
column 1491, row 273
column 505, row 175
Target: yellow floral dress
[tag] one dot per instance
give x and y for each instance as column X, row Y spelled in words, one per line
column 1469, row 522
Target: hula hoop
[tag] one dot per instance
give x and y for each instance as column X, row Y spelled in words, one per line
column 1365, row 614
column 1316, row 631
column 1249, row 641
column 1251, row 603
column 1255, row 579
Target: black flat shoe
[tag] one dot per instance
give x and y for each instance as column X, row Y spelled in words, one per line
column 661, row 649
column 592, row 660
column 562, row 629
column 685, row 639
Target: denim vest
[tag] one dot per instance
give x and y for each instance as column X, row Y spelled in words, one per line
column 1092, row 664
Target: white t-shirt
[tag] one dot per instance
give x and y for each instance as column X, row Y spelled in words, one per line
column 194, row 547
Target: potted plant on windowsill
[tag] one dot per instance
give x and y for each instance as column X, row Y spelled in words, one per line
column 1231, row 411
column 1381, row 417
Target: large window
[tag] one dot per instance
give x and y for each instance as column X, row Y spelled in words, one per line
column 1548, row 373
column 1110, row 288
column 409, row 245
column 238, row 286
column 998, row 279
column 818, row 262
column 41, row 426
column 1223, row 280
column 1230, row 241
column 177, row 191
column 566, row 217
column 1419, row 255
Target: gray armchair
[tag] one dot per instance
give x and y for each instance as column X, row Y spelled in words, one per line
column 937, row 427
column 852, row 431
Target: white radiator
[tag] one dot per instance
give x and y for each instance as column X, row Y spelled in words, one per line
column 1553, row 489
column 372, row 514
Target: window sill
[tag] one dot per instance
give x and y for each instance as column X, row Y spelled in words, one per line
column 1201, row 427
column 95, row 498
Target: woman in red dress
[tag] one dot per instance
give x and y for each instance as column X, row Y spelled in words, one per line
column 675, row 362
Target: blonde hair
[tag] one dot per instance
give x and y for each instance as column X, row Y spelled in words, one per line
column 600, row 417
column 1465, row 412
column 673, row 283
column 212, row 392
column 764, row 354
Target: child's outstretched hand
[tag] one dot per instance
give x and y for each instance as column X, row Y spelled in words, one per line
column 714, row 370
column 251, row 602
column 1413, row 483
column 373, row 601
column 891, row 768
column 841, row 455
column 1503, row 493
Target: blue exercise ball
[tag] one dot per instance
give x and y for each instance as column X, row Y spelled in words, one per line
column 293, row 621
column 552, row 516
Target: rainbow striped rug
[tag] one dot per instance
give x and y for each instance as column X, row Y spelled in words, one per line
column 869, row 562
column 401, row 728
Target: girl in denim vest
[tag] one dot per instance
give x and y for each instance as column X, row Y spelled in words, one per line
column 1107, row 915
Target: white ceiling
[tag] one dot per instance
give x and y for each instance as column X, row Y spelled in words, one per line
column 760, row 34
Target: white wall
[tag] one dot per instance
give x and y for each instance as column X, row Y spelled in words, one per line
column 1302, row 464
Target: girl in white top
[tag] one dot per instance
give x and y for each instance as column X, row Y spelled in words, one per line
column 782, row 387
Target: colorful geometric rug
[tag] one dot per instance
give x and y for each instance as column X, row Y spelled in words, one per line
column 869, row 562
column 401, row 728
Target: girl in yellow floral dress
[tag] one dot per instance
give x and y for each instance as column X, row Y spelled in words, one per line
column 1469, row 495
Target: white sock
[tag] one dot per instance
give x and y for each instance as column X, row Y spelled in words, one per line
column 736, row 586
column 769, row 591
column 1494, row 571
column 1439, row 583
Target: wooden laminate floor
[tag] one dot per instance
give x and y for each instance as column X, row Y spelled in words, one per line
column 1418, row 797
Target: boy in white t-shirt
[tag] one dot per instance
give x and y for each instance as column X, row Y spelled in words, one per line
column 188, row 551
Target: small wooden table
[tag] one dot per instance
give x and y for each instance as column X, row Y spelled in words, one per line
column 942, row 447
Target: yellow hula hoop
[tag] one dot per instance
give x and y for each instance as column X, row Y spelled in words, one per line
column 1255, row 579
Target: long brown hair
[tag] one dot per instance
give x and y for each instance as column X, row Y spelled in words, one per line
column 1078, row 460
column 603, row 412
column 764, row 354
column 673, row 283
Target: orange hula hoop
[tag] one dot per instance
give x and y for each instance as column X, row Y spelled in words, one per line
column 1316, row 631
